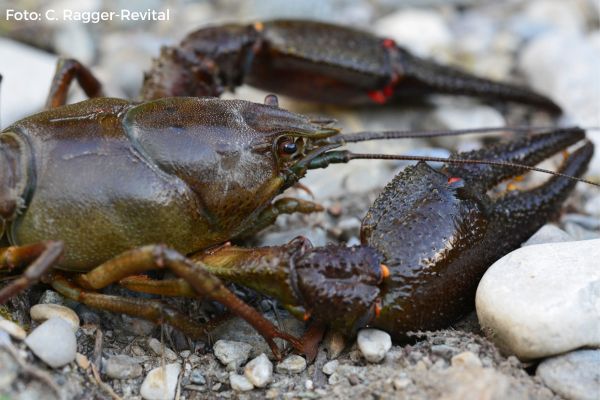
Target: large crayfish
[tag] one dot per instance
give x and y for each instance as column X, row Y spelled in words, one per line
column 104, row 178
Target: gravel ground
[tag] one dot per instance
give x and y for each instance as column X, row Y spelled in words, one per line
column 514, row 41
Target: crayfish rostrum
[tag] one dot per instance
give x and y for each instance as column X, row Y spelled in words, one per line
column 107, row 189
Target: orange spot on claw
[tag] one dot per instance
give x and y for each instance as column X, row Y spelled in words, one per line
column 259, row 26
column 377, row 307
column 453, row 179
column 511, row 187
column 306, row 316
column 385, row 271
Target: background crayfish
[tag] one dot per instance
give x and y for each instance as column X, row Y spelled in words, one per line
column 90, row 188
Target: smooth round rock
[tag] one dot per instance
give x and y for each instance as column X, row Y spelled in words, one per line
column 374, row 344
column 575, row 375
column 161, row 384
column 293, row 364
column 543, row 300
column 231, row 353
column 42, row 312
column 240, row 382
column 259, row 371
column 53, row 342
column 123, row 367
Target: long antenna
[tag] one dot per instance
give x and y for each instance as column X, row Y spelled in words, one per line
column 345, row 156
column 415, row 134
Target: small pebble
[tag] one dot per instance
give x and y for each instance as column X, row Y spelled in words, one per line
column 12, row 329
column 330, row 367
column 232, row 354
column 293, row 364
column 574, row 375
column 53, row 342
column 466, row 359
column 309, row 385
column 374, row 344
column 51, row 297
column 239, row 382
column 123, row 367
column 158, row 348
column 161, row 384
column 43, row 312
column 443, row 350
column 401, row 383
column 197, row 378
column 82, row 361
column 259, row 371
column 516, row 293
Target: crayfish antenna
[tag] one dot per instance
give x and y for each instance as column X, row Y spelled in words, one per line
column 451, row 160
column 364, row 136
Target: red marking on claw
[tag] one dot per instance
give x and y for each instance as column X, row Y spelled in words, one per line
column 389, row 43
column 377, row 96
column 388, row 91
column 453, row 180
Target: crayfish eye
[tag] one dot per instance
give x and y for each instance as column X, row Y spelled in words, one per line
column 287, row 147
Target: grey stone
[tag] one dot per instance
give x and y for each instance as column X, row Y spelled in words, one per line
column 231, row 353
column 123, row 367
column 574, row 375
column 293, row 364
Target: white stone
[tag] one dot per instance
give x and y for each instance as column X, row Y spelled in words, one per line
column 232, row 354
column 330, row 367
column 555, row 14
column 53, row 342
column 239, row 382
column 12, row 329
column 26, row 79
column 293, row 364
column 543, row 300
column 259, row 371
column 159, row 349
column 42, row 312
column 422, row 31
column 548, row 234
column 574, row 375
column 161, row 383
column 374, row 344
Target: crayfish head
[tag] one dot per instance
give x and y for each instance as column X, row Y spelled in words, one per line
column 339, row 285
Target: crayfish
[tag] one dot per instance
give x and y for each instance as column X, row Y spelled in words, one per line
column 90, row 188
